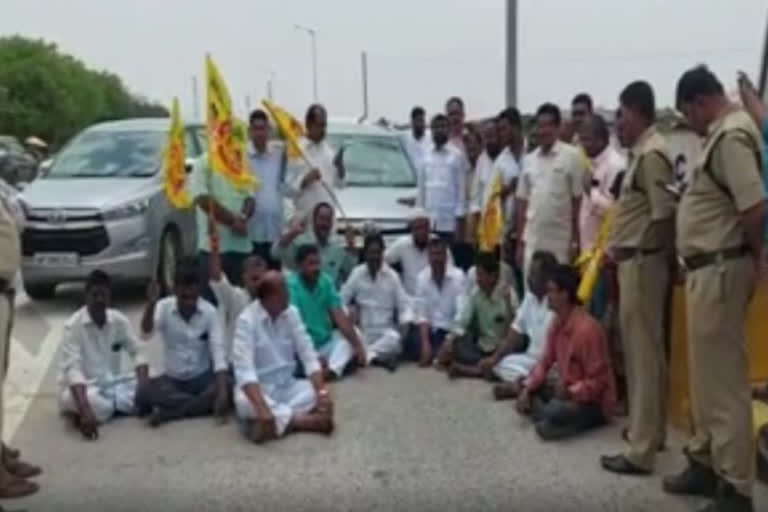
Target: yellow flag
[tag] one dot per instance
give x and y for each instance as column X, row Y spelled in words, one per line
column 288, row 126
column 491, row 226
column 227, row 137
column 175, row 175
column 593, row 260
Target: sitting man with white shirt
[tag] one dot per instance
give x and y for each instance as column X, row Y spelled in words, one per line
column 439, row 293
column 269, row 400
column 515, row 360
column 409, row 252
column 195, row 382
column 379, row 302
column 94, row 386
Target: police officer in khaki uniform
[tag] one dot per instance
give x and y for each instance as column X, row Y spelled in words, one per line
column 643, row 247
column 720, row 230
column 13, row 472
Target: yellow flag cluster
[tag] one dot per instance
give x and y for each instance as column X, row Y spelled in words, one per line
column 592, row 261
column 173, row 162
column 491, row 227
column 227, row 137
column 289, row 127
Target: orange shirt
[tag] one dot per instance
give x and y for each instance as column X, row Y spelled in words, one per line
column 578, row 345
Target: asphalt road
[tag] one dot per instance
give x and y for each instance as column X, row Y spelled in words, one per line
column 412, row 440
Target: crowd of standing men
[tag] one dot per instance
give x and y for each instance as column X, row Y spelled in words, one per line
column 271, row 311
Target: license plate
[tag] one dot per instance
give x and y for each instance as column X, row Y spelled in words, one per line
column 63, row 259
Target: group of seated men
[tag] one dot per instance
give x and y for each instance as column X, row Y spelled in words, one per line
column 269, row 348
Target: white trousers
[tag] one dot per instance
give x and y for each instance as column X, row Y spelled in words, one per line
column 514, row 366
column 338, row 352
column 381, row 342
column 286, row 401
column 105, row 401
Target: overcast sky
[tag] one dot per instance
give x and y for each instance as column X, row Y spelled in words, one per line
column 419, row 51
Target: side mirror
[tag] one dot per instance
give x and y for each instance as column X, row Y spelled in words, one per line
column 189, row 164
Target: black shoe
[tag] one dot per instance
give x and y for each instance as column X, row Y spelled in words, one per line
column 728, row 499
column 697, row 480
column 621, row 465
column 549, row 431
column 387, row 362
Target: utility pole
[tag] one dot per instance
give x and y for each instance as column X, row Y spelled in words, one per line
column 270, row 86
column 511, row 52
column 247, row 104
column 313, row 40
column 195, row 99
column 364, row 69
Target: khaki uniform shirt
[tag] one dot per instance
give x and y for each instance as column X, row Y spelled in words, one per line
column 726, row 182
column 10, row 246
column 643, row 201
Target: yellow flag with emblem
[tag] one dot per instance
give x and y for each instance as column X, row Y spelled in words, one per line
column 289, row 127
column 592, row 261
column 227, row 136
column 174, row 172
column 491, row 225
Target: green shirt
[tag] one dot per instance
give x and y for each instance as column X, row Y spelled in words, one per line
column 315, row 305
column 205, row 182
column 336, row 260
column 486, row 319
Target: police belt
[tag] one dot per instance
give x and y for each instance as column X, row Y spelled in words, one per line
column 627, row 253
column 705, row 259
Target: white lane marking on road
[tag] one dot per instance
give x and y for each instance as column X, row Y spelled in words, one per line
column 25, row 377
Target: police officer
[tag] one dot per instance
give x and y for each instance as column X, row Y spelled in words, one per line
column 643, row 247
column 719, row 238
column 13, row 472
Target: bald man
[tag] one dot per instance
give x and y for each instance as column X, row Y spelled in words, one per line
column 269, row 337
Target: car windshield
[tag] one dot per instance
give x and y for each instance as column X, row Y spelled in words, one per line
column 374, row 160
column 109, row 154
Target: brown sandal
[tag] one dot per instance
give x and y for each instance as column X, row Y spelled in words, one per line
column 21, row 469
column 18, row 488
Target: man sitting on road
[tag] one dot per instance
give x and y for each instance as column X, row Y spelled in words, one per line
column 528, row 335
column 377, row 297
column 232, row 300
column 584, row 394
column 270, row 337
column 439, row 291
column 94, row 385
column 337, row 261
column 317, row 299
column 410, row 252
column 482, row 325
column 195, row 382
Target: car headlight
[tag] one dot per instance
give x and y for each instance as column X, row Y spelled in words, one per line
column 127, row 210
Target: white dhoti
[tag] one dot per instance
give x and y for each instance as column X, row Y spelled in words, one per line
column 105, row 399
column 514, row 366
column 286, row 401
column 338, row 352
column 381, row 342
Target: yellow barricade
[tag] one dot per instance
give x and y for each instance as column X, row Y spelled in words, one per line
column 757, row 336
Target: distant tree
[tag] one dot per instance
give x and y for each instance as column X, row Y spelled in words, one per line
column 52, row 95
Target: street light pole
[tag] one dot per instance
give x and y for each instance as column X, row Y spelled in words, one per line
column 313, row 40
column 511, row 52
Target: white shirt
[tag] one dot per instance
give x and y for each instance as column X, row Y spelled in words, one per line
column 533, row 319
column 266, row 223
column 93, row 355
column 549, row 183
column 442, row 186
column 411, row 258
column 594, row 206
column 321, row 155
column 265, row 349
column 377, row 299
column 439, row 307
column 194, row 347
column 232, row 301
column 486, row 171
column 418, row 148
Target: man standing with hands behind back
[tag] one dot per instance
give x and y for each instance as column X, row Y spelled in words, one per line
column 720, row 229
column 642, row 247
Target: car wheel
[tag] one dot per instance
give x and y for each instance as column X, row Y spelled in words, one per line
column 170, row 252
column 39, row 291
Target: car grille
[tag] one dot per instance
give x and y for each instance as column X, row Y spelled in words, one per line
column 85, row 242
